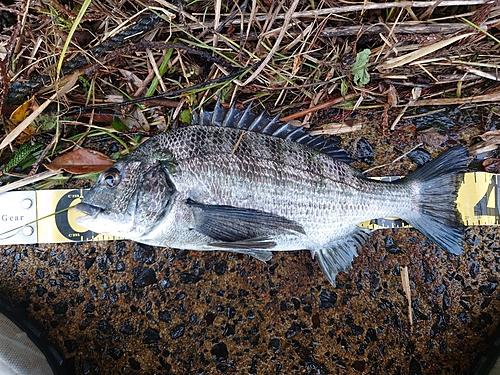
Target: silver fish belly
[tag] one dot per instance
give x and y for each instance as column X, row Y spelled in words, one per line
column 250, row 184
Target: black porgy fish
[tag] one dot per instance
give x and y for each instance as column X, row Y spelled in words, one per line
column 247, row 183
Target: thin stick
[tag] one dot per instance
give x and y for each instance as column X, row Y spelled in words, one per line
column 395, row 160
column 28, row 180
column 318, row 107
column 493, row 97
column 405, row 278
column 288, row 18
column 372, row 6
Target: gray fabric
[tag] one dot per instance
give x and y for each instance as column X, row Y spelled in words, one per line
column 18, row 354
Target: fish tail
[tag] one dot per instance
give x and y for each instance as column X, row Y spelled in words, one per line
column 437, row 184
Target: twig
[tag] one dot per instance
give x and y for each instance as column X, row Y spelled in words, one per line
column 493, row 97
column 372, row 6
column 395, row 160
column 412, row 56
column 277, row 43
column 318, row 107
column 448, row 28
column 28, row 180
column 405, row 279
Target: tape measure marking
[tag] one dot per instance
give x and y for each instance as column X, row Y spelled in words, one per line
column 478, row 202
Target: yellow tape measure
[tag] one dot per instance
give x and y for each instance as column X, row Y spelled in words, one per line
column 42, row 216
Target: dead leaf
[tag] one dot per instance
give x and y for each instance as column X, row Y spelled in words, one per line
column 21, row 112
column 493, row 136
column 18, row 116
column 135, row 120
column 80, row 161
column 134, row 81
column 492, row 165
column 297, row 62
column 392, row 96
column 70, row 82
column 431, row 137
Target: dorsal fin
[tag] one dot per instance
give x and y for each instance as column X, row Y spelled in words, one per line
column 265, row 124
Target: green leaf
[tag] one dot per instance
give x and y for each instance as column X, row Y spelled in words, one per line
column 343, row 87
column 118, row 124
column 185, row 116
column 24, row 151
column 358, row 70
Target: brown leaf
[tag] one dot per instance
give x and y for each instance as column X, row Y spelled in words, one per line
column 431, row 137
column 21, row 112
column 493, row 136
column 492, row 165
column 18, row 116
column 392, row 96
column 81, row 161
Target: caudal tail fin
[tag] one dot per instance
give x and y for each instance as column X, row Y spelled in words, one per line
column 437, row 216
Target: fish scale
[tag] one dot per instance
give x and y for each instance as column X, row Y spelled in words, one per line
column 250, row 184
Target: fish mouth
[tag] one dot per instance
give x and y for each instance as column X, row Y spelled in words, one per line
column 88, row 209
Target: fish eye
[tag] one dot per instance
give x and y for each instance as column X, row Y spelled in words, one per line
column 111, row 177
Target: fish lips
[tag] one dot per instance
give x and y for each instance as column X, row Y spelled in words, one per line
column 88, row 209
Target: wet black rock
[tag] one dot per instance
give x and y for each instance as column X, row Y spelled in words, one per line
column 177, row 331
column 134, row 364
column 40, row 273
column 327, row 299
column 189, row 278
column 220, row 268
column 356, row 330
column 144, row 253
column 439, row 326
column 40, row 290
column 120, row 266
column 151, row 336
column 105, row 327
column 274, row 343
column 145, row 277
column 429, row 274
column 371, row 335
column 126, row 328
column 165, row 316
column 116, row 353
column 60, row 307
column 419, row 156
column 364, row 151
column 229, row 330
column 487, row 289
column 71, row 345
column 219, row 351
column 293, row 330
column 391, row 247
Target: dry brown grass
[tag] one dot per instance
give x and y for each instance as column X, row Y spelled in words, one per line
column 293, row 56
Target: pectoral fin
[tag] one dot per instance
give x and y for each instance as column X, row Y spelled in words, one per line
column 340, row 254
column 233, row 224
column 255, row 248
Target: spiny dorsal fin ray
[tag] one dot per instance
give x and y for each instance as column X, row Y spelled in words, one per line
column 265, row 124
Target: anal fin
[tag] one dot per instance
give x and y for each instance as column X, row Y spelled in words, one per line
column 340, row 253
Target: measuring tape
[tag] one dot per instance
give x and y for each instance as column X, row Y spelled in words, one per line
column 28, row 217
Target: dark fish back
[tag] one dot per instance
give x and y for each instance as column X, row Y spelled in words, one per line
column 264, row 124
